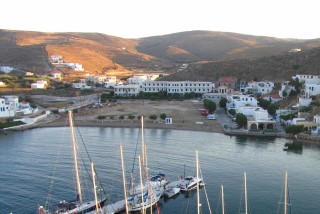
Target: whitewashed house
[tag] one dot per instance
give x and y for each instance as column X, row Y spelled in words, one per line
column 312, row 89
column 286, row 89
column 6, row 69
column 237, row 101
column 2, row 84
column 305, row 77
column 261, row 87
column 137, row 79
column 29, row 74
column 40, row 84
column 8, row 106
column 248, row 111
column 261, row 121
column 80, row 85
column 127, row 90
column 56, row 59
column 273, row 98
column 110, row 81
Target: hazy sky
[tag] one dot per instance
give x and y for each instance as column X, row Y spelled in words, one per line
column 142, row 18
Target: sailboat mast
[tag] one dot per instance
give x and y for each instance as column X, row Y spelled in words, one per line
column 285, row 192
column 245, row 193
column 142, row 142
column 198, row 194
column 222, row 199
column 79, row 196
column 142, row 195
column 124, row 181
column 94, row 187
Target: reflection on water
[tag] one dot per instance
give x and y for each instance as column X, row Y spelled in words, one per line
column 28, row 160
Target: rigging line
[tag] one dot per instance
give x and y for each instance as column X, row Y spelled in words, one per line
column 48, row 200
column 85, row 147
column 205, row 191
column 135, row 154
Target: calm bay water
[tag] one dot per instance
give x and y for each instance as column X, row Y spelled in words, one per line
column 36, row 164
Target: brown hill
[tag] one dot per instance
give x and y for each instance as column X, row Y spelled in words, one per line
column 215, row 46
column 100, row 53
column 97, row 53
column 276, row 68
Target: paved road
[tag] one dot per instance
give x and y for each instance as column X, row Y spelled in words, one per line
column 223, row 118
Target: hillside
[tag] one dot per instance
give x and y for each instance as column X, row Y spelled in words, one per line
column 216, row 46
column 276, row 68
column 98, row 53
column 105, row 54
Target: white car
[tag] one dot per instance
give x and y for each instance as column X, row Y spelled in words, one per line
column 211, row 117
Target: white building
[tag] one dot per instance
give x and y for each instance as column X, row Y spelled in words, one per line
column 56, row 75
column 6, row 69
column 179, row 87
column 304, row 77
column 101, row 79
column 262, row 87
column 8, row 106
column 237, row 101
column 304, row 101
column 286, row 89
column 225, row 90
column 142, row 78
column 215, row 97
column 127, row 90
column 80, row 85
column 110, row 81
column 56, row 58
column 261, row 121
column 40, row 84
column 248, row 111
column 316, row 118
column 312, row 89
column 2, row 84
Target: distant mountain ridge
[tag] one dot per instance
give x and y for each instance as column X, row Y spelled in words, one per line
column 100, row 53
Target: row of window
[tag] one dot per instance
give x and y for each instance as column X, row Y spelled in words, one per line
column 2, row 109
column 179, row 84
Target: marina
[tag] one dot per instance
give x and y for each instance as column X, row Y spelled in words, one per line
column 28, row 161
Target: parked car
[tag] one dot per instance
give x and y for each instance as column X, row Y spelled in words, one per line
column 205, row 112
column 211, row 117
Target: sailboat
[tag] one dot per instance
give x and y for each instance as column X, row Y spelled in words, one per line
column 79, row 205
column 148, row 193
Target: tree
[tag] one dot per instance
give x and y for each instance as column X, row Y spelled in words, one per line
column 163, row 116
column 272, row 109
column 294, row 129
column 210, row 105
column 223, row 102
column 103, row 97
column 241, row 120
column 101, row 117
column 232, row 112
column 131, row 117
column 264, row 103
column 121, row 117
column 153, row 117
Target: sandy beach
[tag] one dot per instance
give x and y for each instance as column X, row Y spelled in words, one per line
column 185, row 116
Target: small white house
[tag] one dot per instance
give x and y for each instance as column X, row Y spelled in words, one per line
column 80, row 85
column 316, row 118
column 2, row 84
column 7, row 107
column 237, row 101
column 6, row 69
column 40, row 84
column 304, row 77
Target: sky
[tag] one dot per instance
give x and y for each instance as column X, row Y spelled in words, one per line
column 143, row 18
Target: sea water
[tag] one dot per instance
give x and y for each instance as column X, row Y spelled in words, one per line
column 36, row 168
